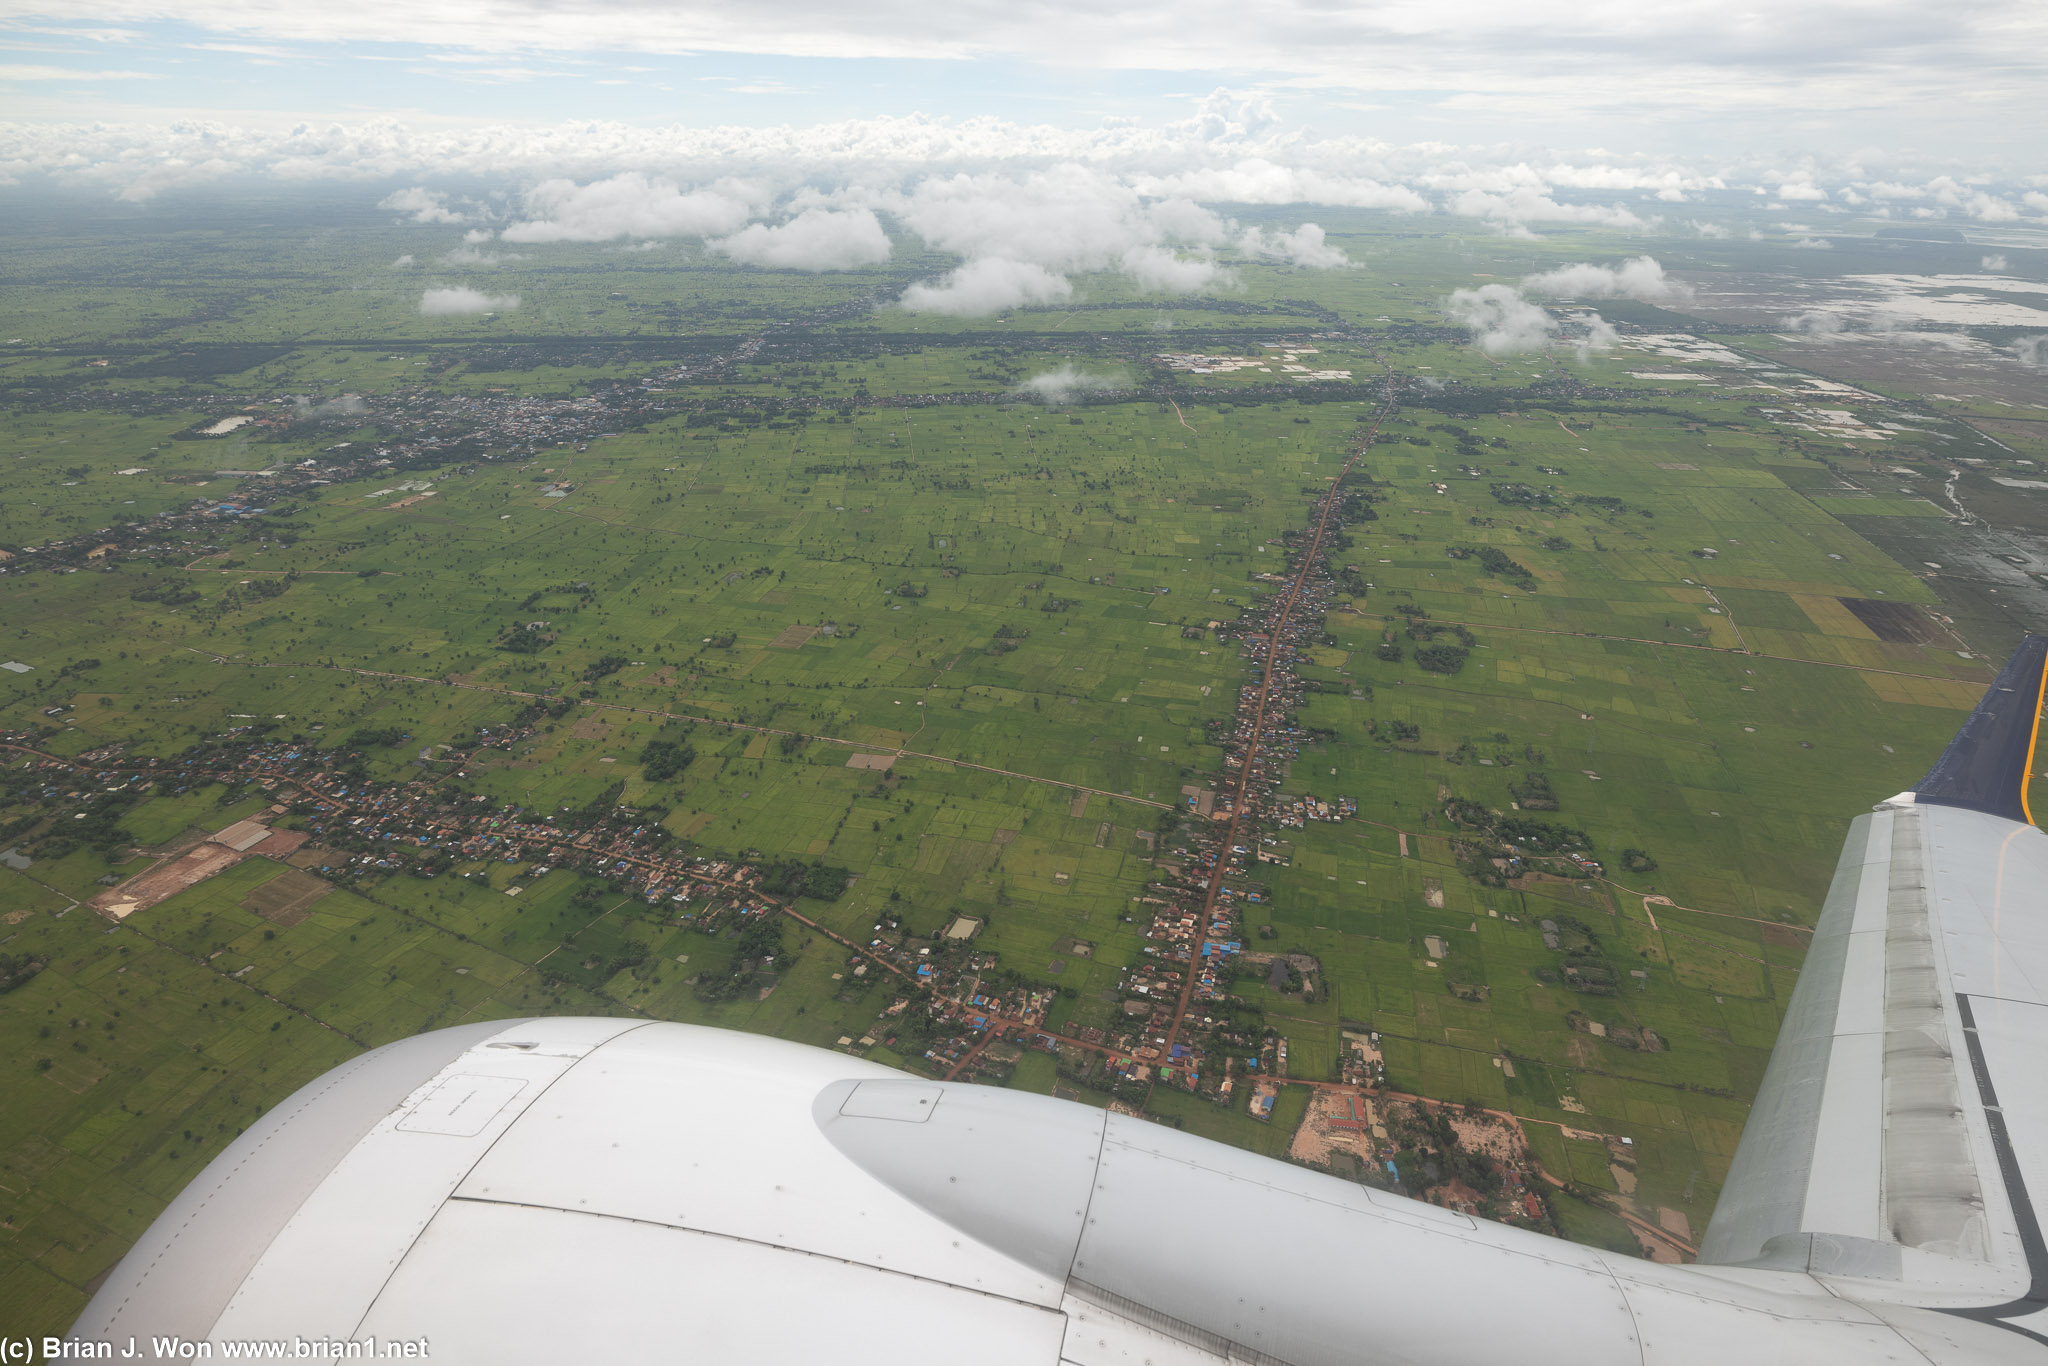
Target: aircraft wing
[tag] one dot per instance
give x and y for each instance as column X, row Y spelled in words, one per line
column 623, row 1191
column 1901, row 1135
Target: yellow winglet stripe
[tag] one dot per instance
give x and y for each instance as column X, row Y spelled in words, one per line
column 2033, row 739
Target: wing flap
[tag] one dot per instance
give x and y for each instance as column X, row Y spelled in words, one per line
column 1878, row 1148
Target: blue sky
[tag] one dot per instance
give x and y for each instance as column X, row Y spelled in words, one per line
column 150, row 69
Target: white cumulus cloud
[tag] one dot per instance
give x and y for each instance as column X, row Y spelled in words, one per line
column 1259, row 180
column 1801, row 190
column 1061, row 385
column 1067, row 218
column 425, row 206
column 816, row 239
column 988, row 285
column 1814, row 322
column 631, row 204
column 1158, row 270
column 1527, row 204
column 456, row 301
column 1501, row 321
column 1639, row 277
column 1599, row 336
column 1305, row 246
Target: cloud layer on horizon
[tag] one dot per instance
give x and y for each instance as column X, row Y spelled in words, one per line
column 1231, row 149
column 1018, row 238
column 1024, row 209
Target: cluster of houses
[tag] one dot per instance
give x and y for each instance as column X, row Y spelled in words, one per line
column 432, row 428
column 1295, row 813
column 367, row 828
column 1197, row 903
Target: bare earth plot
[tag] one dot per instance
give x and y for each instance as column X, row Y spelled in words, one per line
column 288, row 898
column 217, row 854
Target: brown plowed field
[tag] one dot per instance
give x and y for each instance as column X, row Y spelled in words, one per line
column 1895, row 621
column 287, row 898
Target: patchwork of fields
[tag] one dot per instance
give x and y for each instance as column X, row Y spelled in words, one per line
column 1017, row 599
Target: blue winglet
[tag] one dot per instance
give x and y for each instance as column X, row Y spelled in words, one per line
column 1987, row 766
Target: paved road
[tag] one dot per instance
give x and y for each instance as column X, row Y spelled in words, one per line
column 1275, row 631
